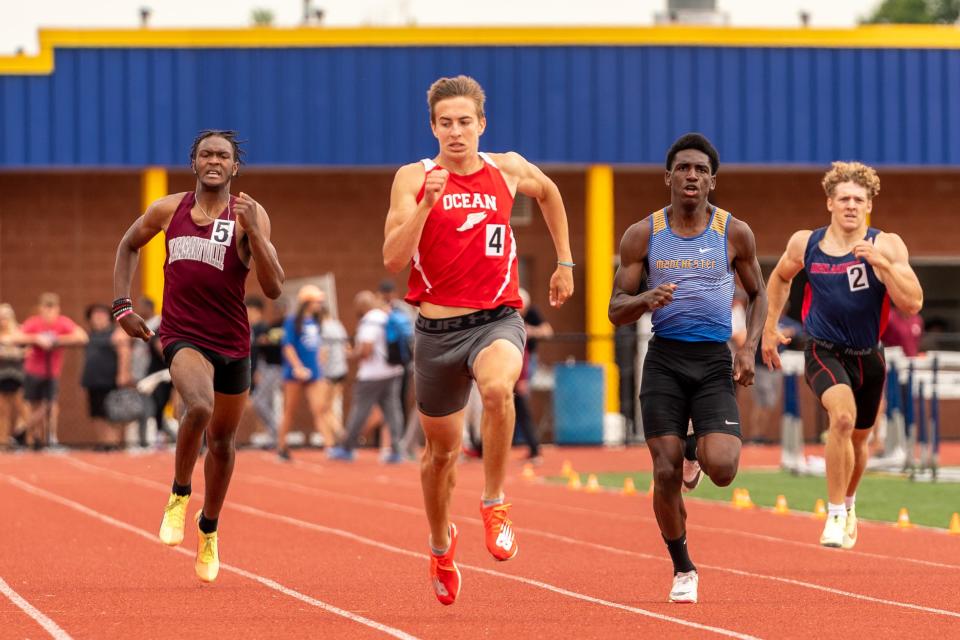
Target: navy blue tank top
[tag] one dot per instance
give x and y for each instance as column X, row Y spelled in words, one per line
column 844, row 301
column 701, row 307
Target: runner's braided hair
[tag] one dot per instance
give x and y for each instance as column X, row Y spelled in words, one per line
column 227, row 134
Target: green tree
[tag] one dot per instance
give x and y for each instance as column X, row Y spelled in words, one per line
column 262, row 17
column 915, row 12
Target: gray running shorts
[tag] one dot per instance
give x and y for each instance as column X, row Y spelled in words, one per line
column 445, row 349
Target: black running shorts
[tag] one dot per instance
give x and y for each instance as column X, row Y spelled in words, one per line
column 863, row 370
column 230, row 375
column 684, row 381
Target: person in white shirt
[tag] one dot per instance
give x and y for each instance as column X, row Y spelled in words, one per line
column 378, row 382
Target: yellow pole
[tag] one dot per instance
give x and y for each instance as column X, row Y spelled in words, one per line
column 599, row 278
column 153, row 185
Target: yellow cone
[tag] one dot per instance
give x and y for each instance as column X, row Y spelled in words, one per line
column 820, row 510
column 573, row 482
column 955, row 524
column 903, row 519
column 566, row 469
column 735, row 501
column 592, row 485
column 745, row 501
column 781, row 505
column 528, row 473
column 630, row 489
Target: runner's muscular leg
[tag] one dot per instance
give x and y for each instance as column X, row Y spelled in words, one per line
column 192, row 376
column 218, row 463
column 719, row 455
column 842, row 412
column 667, row 454
column 438, row 471
column 861, row 453
column 496, row 370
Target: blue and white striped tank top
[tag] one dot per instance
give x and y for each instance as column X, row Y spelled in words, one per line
column 702, row 302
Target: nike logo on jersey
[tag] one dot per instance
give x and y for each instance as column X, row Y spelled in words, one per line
column 704, row 250
column 473, row 219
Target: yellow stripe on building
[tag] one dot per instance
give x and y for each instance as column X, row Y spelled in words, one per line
column 869, row 36
column 153, row 186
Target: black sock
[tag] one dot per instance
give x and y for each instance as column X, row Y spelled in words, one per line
column 690, row 448
column 678, row 553
column 207, row 525
column 181, row 489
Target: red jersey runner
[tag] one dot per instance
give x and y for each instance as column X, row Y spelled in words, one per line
column 467, row 256
column 204, row 284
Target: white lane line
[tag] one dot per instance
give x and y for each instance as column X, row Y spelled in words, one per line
column 348, row 535
column 292, row 486
column 267, row 582
column 49, row 625
column 316, row 468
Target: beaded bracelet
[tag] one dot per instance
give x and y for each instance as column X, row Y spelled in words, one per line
column 124, row 314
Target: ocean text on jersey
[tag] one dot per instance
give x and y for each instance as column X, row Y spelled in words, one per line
column 470, row 201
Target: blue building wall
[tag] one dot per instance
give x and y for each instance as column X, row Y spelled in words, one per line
column 570, row 104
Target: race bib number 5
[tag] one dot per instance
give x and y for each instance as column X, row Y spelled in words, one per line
column 222, row 231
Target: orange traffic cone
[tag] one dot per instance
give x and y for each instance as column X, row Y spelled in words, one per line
column 735, row 501
column 566, row 469
column 781, row 505
column 573, row 481
column 528, row 473
column 955, row 525
column 592, row 485
column 903, row 519
column 820, row 510
column 630, row 489
column 741, row 499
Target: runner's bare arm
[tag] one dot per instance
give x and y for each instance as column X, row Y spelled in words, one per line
column 891, row 261
column 747, row 266
column 254, row 238
column 154, row 220
column 627, row 303
column 406, row 217
column 778, row 290
column 533, row 183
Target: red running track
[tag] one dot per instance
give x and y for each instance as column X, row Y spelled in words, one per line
column 318, row 549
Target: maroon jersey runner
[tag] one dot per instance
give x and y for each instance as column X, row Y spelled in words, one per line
column 204, row 284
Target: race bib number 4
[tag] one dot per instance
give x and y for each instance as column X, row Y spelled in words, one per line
column 495, row 239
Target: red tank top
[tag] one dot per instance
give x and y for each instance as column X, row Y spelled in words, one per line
column 467, row 256
column 204, row 284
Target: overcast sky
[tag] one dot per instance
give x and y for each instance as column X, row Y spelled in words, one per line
column 21, row 19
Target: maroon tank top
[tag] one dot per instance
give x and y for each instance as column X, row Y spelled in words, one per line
column 204, row 284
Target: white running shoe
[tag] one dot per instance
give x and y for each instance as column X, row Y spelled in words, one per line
column 684, row 588
column 833, row 531
column 691, row 475
column 850, row 531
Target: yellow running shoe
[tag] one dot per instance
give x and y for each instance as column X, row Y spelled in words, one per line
column 208, row 558
column 174, row 516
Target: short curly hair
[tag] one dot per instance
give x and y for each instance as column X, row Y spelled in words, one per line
column 855, row 172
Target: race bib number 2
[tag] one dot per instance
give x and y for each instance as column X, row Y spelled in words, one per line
column 495, row 239
column 857, row 277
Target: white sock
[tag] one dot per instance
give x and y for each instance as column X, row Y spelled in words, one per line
column 849, row 501
column 836, row 510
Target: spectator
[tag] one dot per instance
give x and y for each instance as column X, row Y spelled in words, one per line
column 265, row 378
column 106, row 366
column 335, row 346
column 12, row 409
column 768, row 387
column 536, row 328
column 377, row 383
column 146, row 358
column 48, row 333
column 903, row 330
column 301, row 369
